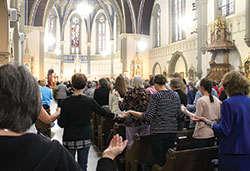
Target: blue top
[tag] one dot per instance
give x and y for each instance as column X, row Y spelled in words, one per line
column 234, row 127
column 46, row 95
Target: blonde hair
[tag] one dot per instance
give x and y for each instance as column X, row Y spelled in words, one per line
column 235, row 83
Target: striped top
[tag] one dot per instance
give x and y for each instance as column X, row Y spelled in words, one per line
column 163, row 111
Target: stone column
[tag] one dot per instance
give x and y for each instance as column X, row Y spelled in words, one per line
column 21, row 30
column 61, row 60
column 216, row 8
column 16, row 44
column 202, row 33
column 41, row 55
column 247, row 36
column 112, row 58
column 88, row 54
column 124, row 53
column 4, row 33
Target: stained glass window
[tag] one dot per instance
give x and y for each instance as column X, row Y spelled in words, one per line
column 227, row 7
column 101, row 33
column 178, row 13
column 157, row 26
column 75, row 35
column 51, row 32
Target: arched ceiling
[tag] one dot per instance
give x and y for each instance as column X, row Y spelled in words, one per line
column 134, row 15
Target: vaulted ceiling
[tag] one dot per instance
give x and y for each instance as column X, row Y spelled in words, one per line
column 134, row 15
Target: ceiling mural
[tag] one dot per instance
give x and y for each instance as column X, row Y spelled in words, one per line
column 133, row 16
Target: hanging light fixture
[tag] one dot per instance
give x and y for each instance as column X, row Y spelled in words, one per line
column 84, row 9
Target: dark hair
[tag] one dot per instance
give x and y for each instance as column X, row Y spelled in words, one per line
column 175, row 83
column 160, row 79
column 207, row 85
column 120, row 85
column 235, row 83
column 151, row 80
column 79, row 81
column 20, row 99
column 103, row 82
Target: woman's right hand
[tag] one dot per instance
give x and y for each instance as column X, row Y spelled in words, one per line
column 197, row 118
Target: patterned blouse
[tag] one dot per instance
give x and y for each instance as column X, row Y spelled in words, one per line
column 137, row 100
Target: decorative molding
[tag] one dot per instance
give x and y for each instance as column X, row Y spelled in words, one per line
column 4, row 58
column 182, row 46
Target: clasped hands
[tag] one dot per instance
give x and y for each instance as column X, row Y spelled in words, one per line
column 192, row 116
column 125, row 114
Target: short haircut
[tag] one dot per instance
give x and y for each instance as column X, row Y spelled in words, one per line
column 20, row 99
column 43, row 82
column 235, row 83
column 137, row 82
column 103, row 82
column 175, row 83
column 79, row 81
column 160, row 79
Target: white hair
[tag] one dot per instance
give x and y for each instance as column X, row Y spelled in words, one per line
column 137, row 82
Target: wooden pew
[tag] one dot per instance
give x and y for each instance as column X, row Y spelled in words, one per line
column 94, row 129
column 185, row 140
column 139, row 153
column 103, row 132
column 198, row 159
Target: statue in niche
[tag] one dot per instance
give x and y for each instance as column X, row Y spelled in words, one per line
column 247, row 69
column 137, row 67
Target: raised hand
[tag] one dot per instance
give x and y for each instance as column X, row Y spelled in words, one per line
column 116, row 146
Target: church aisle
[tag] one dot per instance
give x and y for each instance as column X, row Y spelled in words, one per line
column 57, row 132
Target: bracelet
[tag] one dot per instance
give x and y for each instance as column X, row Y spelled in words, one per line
column 209, row 123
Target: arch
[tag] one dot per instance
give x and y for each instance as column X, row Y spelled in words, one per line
column 51, row 31
column 154, row 67
column 173, row 61
column 4, row 32
column 156, row 26
column 101, row 35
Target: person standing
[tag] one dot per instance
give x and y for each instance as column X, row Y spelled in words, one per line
column 75, row 119
column 233, row 129
column 163, row 112
column 207, row 106
column 61, row 93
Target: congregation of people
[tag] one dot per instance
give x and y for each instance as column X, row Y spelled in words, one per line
column 217, row 112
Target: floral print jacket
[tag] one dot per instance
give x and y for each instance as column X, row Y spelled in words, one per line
column 137, row 100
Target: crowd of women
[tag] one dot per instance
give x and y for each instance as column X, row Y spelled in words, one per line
column 156, row 106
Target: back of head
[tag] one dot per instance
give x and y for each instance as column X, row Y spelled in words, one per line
column 127, row 82
column 120, row 85
column 43, row 82
column 235, row 83
column 137, row 82
column 103, row 82
column 177, row 75
column 175, row 83
column 151, row 80
column 20, row 100
column 79, row 81
column 207, row 85
column 160, row 79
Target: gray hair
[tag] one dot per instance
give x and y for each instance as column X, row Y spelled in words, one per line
column 137, row 82
column 20, row 101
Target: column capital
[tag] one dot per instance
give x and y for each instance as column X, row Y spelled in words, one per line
column 4, row 58
column 62, row 43
column 89, row 43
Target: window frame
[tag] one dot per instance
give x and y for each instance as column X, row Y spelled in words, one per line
column 80, row 27
column 103, row 38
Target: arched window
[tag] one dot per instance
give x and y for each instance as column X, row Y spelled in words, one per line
column 157, row 26
column 101, row 33
column 50, row 34
column 75, row 34
column 178, row 12
column 227, row 7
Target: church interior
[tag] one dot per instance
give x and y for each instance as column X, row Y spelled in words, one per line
column 55, row 39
